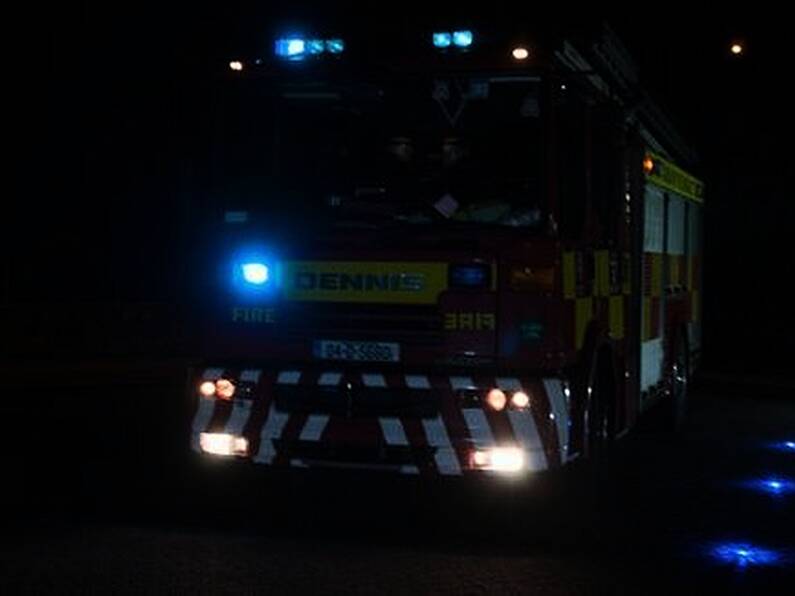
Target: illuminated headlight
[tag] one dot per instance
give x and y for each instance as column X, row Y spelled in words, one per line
column 508, row 460
column 256, row 274
column 223, row 444
column 207, row 389
column 520, row 400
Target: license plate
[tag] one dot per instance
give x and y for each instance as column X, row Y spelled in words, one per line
column 357, row 351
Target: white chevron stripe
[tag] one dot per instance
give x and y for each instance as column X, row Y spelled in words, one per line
column 212, row 374
column 330, row 378
column 417, row 382
column 314, row 427
column 289, row 377
column 557, row 402
column 509, row 383
column 373, row 380
column 241, row 410
column 436, row 435
column 462, row 383
column 250, row 376
column 525, row 431
column 272, row 429
column 200, row 421
column 479, row 428
column 393, row 431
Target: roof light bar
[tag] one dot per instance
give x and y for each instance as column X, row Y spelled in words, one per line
column 297, row 48
column 463, row 39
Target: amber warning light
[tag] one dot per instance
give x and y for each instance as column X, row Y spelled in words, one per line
column 648, row 165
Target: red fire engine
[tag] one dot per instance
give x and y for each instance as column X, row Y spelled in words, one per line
column 449, row 253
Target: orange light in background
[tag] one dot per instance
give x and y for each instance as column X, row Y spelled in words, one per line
column 224, row 389
column 496, row 399
column 207, row 389
column 648, row 165
column 236, row 65
column 520, row 53
column 520, row 399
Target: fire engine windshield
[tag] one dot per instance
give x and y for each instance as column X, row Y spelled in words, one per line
column 424, row 151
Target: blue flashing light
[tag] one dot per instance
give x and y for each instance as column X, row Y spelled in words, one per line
column 786, row 446
column 293, row 48
column 777, row 486
column 315, row 46
column 771, row 485
column 257, row 274
column 442, row 39
column 463, row 39
column 254, row 274
column 744, row 555
column 335, row 46
column 469, row 276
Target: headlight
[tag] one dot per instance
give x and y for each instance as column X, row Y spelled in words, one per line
column 509, row 460
column 223, row 444
column 520, row 400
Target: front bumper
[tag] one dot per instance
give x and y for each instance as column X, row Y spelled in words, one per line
column 413, row 424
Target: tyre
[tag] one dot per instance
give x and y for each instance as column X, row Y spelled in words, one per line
column 679, row 386
column 599, row 421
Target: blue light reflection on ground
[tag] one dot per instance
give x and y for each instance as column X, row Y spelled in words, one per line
column 772, row 485
column 744, row 555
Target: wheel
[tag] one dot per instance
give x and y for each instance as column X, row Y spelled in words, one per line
column 599, row 421
column 679, row 381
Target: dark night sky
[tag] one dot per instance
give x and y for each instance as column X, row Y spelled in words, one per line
column 113, row 103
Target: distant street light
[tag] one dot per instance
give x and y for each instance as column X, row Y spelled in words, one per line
column 236, row 65
column 737, row 49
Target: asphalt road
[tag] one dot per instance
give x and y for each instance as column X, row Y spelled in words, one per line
column 98, row 499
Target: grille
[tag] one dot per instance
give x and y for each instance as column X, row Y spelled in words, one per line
column 389, row 455
column 358, row 402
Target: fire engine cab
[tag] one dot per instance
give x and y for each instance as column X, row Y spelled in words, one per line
column 451, row 252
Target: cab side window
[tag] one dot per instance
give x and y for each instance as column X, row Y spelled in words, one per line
column 572, row 163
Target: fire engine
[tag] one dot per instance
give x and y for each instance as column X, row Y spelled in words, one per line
column 454, row 252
